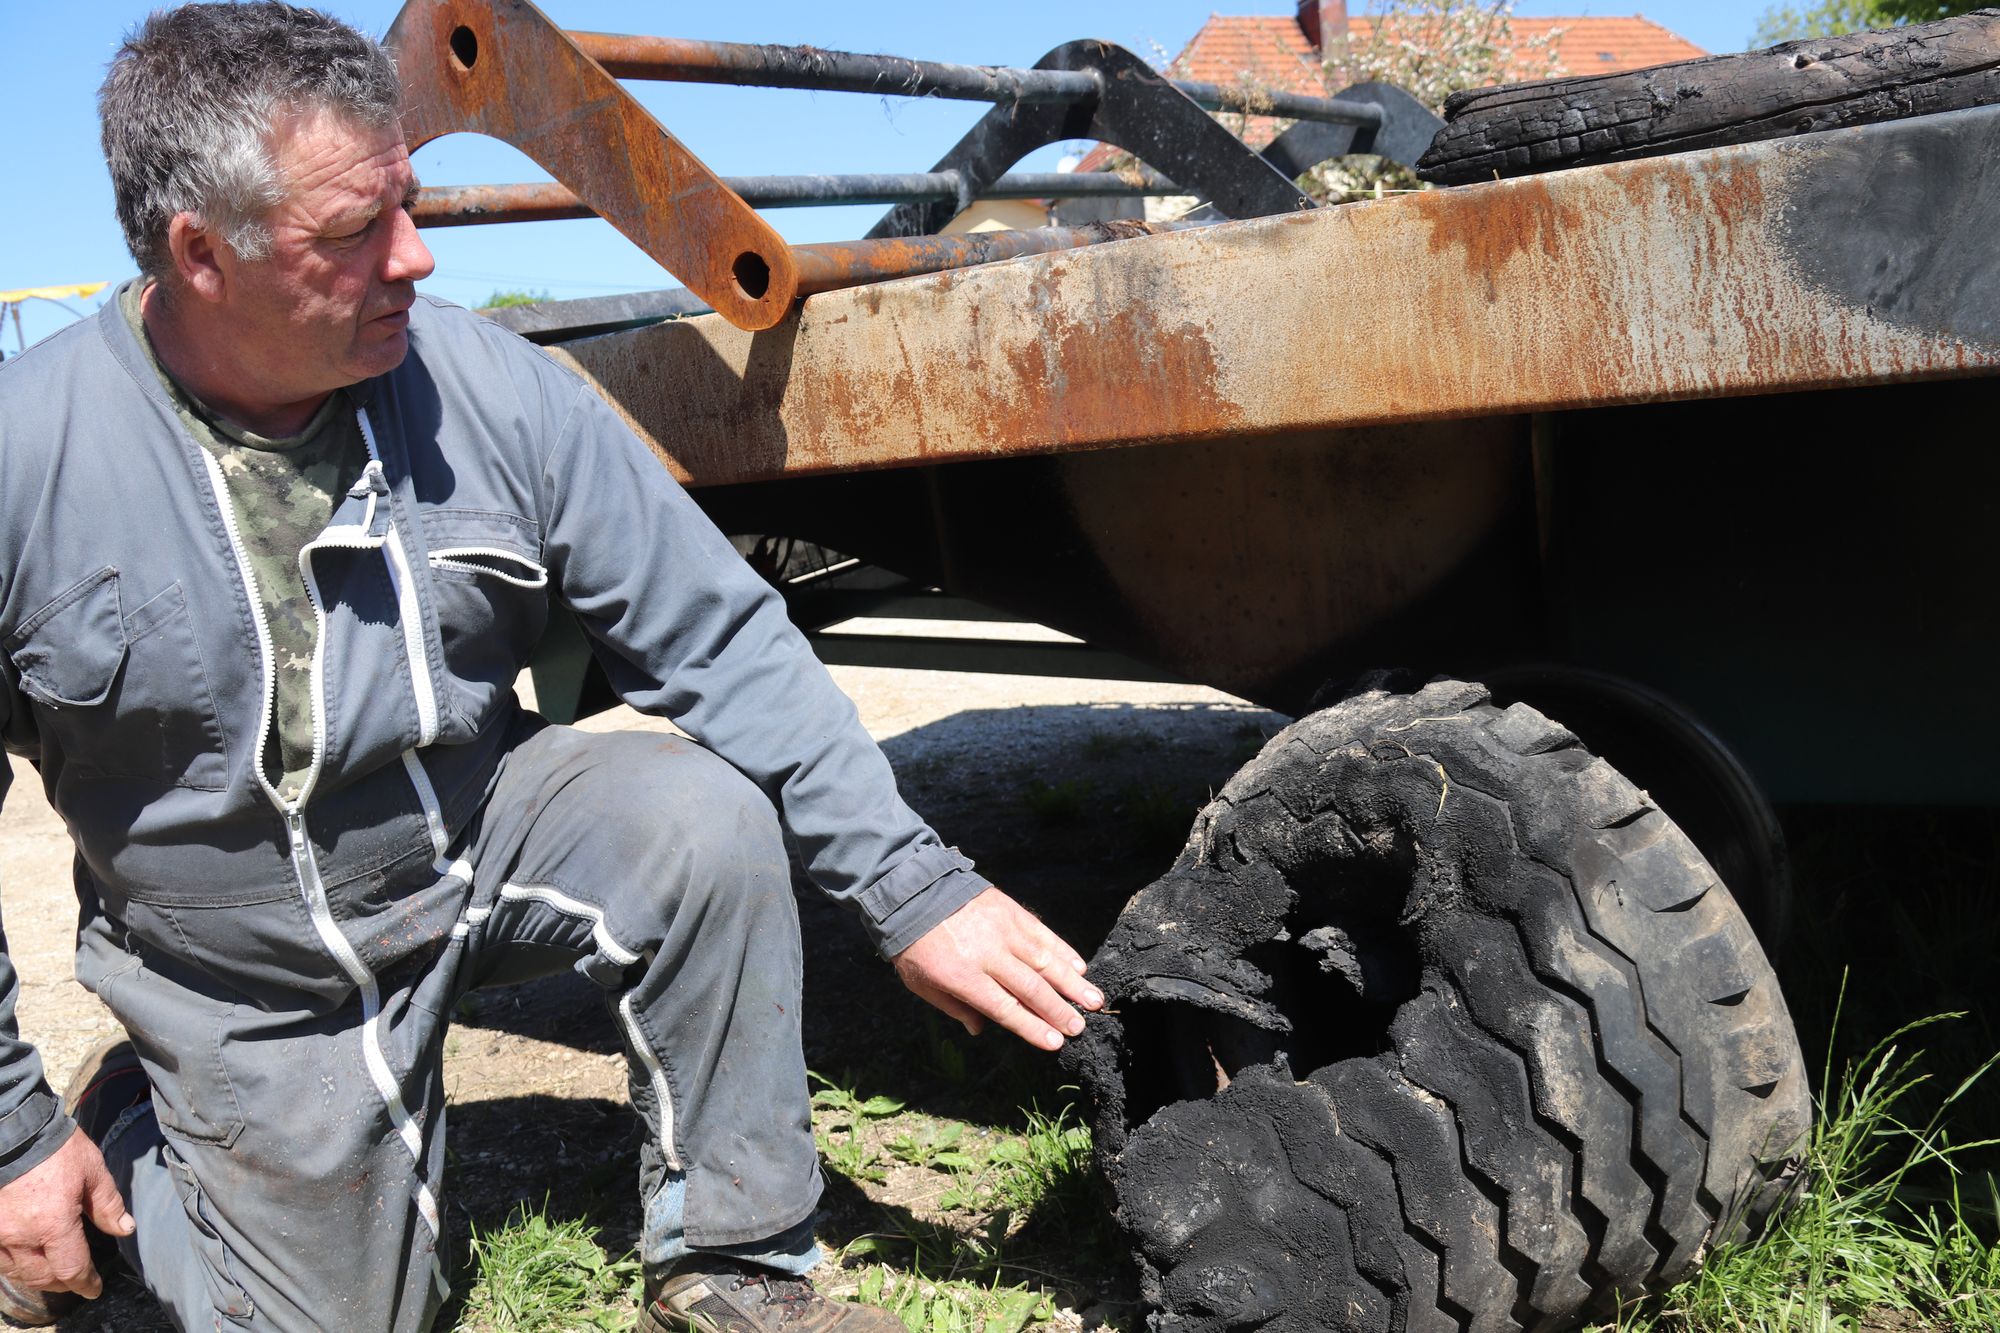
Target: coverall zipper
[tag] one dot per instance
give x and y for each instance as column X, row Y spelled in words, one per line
column 305, row 862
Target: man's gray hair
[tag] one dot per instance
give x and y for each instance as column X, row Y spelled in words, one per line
column 190, row 104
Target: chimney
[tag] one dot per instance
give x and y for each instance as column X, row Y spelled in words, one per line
column 1323, row 20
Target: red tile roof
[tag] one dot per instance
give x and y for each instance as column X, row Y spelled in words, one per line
column 1589, row 45
column 1272, row 52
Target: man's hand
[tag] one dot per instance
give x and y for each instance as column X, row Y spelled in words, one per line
column 42, row 1245
column 993, row 958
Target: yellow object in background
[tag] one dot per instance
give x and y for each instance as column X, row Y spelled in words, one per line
column 75, row 289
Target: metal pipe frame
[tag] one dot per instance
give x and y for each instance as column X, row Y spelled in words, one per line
column 683, row 60
column 472, row 205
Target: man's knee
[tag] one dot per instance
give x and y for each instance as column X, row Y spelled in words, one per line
column 694, row 825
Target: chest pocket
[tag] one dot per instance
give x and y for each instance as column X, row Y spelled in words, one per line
column 491, row 593
column 122, row 693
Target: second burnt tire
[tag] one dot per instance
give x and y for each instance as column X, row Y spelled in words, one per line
column 1436, row 1024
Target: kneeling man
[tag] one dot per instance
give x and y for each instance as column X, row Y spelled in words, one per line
column 276, row 537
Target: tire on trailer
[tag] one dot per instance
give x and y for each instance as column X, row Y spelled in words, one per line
column 1435, row 1024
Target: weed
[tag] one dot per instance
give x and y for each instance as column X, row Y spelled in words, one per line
column 1250, row 739
column 841, row 1141
column 1046, row 1162
column 538, row 1276
column 1056, row 803
column 1159, row 817
column 936, row 1147
column 1101, row 744
column 1866, row 1235
column 953, row 1306
column 945, row 1057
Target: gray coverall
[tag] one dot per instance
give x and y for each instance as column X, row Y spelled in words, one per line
column 286, row 971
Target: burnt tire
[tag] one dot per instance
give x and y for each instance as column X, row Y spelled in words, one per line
column 1435, row 1024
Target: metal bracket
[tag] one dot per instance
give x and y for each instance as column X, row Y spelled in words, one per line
column 1136, row 109
column 1406, row 131
column 505, row 70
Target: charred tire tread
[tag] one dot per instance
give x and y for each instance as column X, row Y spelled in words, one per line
column 1594, row 1082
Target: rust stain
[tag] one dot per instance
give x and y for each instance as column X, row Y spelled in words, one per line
column 1491, row 225
column 1096, row 374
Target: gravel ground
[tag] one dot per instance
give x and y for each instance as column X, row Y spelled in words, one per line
column 1072, row 793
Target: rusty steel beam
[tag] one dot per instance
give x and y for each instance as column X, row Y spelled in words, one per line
column 1841, row 259
column 504, row 70
column 686, row 60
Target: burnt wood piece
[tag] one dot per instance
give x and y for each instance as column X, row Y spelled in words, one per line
column 1794, row 88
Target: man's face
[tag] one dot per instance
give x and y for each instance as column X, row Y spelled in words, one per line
column 329, row 305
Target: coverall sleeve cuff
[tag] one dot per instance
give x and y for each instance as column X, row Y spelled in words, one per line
column 31, row 1134
column 934, row 883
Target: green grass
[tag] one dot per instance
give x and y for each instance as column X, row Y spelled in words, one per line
column 1048, row 1162
column 1159, row 818
column 934, row 1144
column 1056, row 803
column 1888, row 1224
column 841, row 1136
column 954, row 1306
column 1893, row 1231
column 533, row 1275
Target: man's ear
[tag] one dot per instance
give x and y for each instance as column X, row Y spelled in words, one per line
column 197, row 261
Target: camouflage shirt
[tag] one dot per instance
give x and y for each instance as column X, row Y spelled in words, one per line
column 283, row 493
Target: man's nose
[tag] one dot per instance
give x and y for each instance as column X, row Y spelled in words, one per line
column 409, row 258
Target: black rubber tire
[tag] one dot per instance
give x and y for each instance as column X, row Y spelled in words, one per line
column 1494, row 1047
column 1803, row 87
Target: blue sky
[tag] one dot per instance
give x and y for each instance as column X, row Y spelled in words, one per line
column 58, row 225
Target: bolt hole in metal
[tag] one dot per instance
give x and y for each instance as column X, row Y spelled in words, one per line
column 752, row 274
column 464, row 46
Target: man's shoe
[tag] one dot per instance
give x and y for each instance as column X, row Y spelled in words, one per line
column 22, row 1308
column 108, row 1083
column 717, row 1296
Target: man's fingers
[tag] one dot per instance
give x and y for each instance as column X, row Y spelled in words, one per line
column 1048, row 952
column 1033, row 990
column 29, row 1268
column 994, row 956
column 69, row 1266
column 106, row 1204
column 1059, row 965
column 1070, row 984
column 1005, row 1008
column 973, row 1021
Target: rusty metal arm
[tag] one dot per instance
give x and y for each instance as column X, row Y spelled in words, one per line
column 506, row 71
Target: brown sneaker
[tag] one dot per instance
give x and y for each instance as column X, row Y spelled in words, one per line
column 723, row 1297
column 22, row 1308
column 107, row 1084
